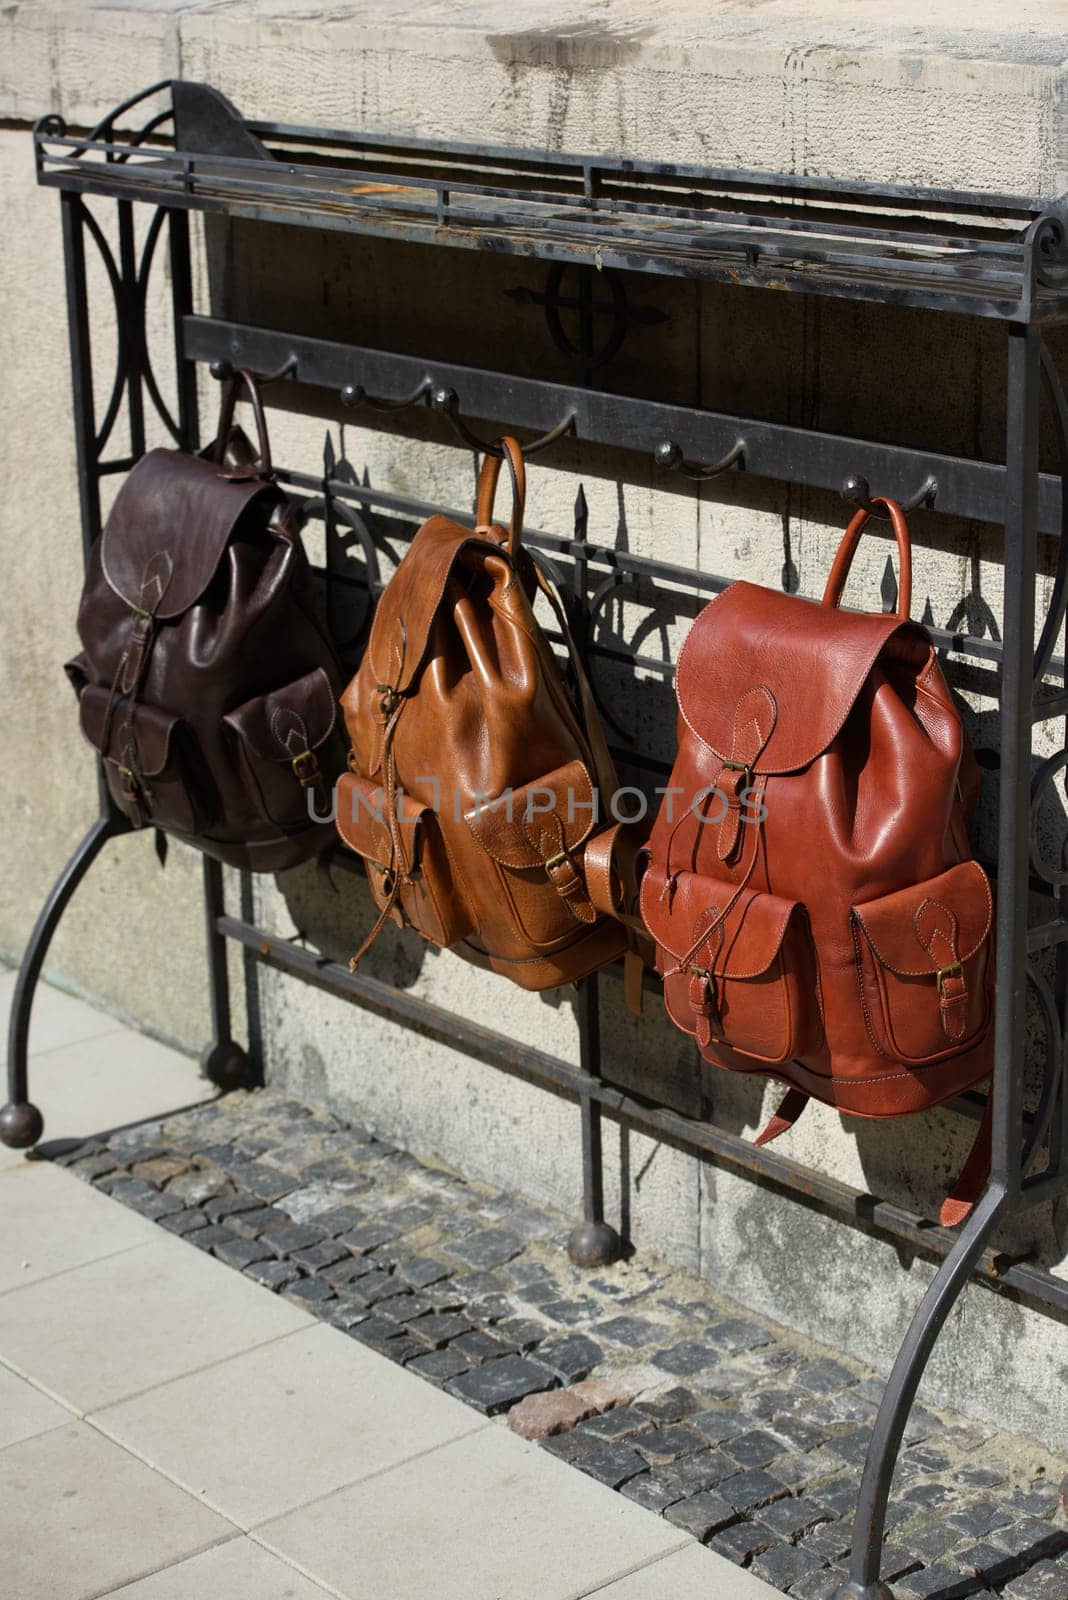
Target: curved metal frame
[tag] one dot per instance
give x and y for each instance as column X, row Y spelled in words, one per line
column 21, row 1124
column 775, row 452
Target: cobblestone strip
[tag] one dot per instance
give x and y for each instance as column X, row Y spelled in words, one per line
column 749, row 1437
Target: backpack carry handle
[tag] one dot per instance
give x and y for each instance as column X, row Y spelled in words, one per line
column 839, row 572
column 512, row 452
column 261, row 467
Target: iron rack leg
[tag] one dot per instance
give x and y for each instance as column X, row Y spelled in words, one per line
column 594, row 1242
column 223, row 1062
column 1021, row 459
column 900, row 1392
column 21, row 1124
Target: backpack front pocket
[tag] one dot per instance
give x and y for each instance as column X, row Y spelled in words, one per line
column 153, row 765
column 534, row 837
column 429, row 896
column 289, row 749
column 739, row 967
column 924, row 965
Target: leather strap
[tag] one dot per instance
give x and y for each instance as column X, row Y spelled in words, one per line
column 791, row 1108
column 257, row 469
column 957, row 1205
column 603, row 766
column 839, row 572
column 611, row 861
column 755, row 717
column 511, row 451
column 634, row 982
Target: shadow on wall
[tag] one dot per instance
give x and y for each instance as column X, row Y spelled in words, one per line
column 911, row 1162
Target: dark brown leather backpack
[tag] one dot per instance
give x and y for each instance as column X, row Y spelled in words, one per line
column 207, row 681
column 817, row 914
column 476, row 779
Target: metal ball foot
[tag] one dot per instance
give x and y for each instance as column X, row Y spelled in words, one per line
column 21, row 1125
column 225, row 1065
column 855, row 1590
column 593, row 1244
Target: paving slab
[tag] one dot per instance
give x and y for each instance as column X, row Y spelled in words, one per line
column 56, row 1018
column 82, row 1517
column 239, row 1570
column 692, row 1573
column 47, row 1227
column 107, row 1082
column 486, row 1515
column 115, row 1327
column 25, row 1411
column 286, row 1423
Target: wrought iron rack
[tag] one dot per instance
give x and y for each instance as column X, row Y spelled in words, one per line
column 993, row 256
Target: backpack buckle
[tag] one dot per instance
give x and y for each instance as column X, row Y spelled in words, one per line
column 954, row 969
column 740, row 766
column 305, row 766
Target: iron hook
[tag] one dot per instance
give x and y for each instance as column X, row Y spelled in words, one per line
column 668, row 455
column 857, row 490
column 223, row 371
column 447, row 401
column 354, row 394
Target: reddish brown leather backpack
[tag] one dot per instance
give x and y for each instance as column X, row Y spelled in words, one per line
column 817, row 914
column 475, row 779
column 208, row 683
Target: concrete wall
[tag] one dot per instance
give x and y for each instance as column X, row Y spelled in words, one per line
column 901, row 92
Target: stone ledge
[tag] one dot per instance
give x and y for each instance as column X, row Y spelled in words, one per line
column 886, row 92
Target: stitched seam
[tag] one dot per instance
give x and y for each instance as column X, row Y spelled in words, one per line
column 967, row 956
column 808, row 759
column 859, row 969
column 440, row 595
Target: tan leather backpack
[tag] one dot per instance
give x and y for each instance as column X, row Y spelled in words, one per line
column 475, row 779
column 817, row 914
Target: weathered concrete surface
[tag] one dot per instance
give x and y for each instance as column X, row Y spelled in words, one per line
column 903, row 91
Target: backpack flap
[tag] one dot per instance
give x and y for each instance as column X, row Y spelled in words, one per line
column 154, row 770
column 539, row 829
column 281, row 736
column 807, row 662
column 168, row 528
column 738, row 966
column 924, row 965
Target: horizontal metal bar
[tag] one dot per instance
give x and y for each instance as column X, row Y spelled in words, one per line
column 684, row 247
column 966, row 488
column 1030, row 1283
column 1050, row 703
column 691, row 582
column 1044, row 1186
column 1047, row 934
column 909, row 196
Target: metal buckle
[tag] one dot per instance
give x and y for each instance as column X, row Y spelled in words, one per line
column 701, row 972
column 740, row 766
column 305, row 766
column 557, row 860
column 130, row 782
column 947, row 972
column 387, row 875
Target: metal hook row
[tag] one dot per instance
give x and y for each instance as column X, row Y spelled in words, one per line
column 669, row 456
column 443, row 400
